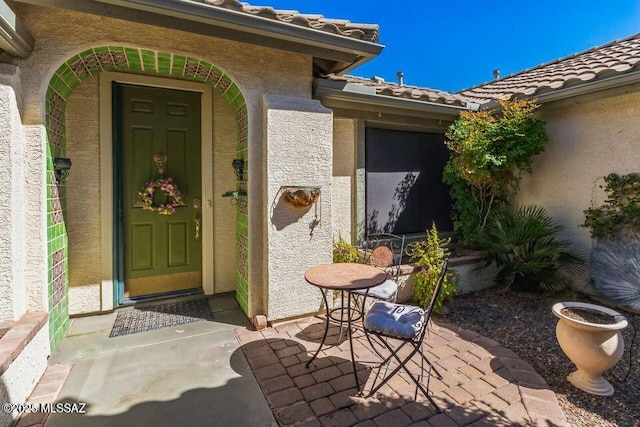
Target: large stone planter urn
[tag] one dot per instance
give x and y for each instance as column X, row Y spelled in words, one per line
column 590, row 336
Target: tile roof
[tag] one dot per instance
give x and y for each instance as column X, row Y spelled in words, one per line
column 403, row 91
column 613, row 59
column 341, row 27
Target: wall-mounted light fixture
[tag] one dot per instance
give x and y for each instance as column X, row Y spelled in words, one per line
column 61, row 166
column 238, row 168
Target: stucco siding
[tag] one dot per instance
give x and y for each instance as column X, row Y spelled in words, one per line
column 589, row 137
column 12, row 199
column 83, row 198
column 35, row 216
column 299, row 152
column 342, row 181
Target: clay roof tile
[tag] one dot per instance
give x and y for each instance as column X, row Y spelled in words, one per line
column 612, row 59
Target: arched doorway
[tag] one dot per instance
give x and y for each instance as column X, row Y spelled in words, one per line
column 140, row 61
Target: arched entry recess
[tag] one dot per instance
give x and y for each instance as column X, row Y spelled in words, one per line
column 62, row 84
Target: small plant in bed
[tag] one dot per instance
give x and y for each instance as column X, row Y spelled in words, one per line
column 429, row 255
column 344, row 251
column 522, row 243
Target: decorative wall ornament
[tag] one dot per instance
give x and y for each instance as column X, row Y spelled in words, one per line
column 61, row 167
column 161, row 161
column 301, row 196
column 171, row 191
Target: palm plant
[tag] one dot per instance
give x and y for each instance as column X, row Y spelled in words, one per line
column 521, row 242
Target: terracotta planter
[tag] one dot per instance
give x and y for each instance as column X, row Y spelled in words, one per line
column 301, row 196
column 592, row 347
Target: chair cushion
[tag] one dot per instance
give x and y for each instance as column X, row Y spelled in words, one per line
column 396, row 320
column 385, row 291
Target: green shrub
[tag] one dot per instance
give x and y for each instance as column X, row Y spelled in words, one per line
column 529, row 257
column 620, row 211
column 489, row 152
column 429, row 255
column 344, row 251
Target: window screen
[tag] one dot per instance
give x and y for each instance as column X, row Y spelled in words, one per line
column 404, row 189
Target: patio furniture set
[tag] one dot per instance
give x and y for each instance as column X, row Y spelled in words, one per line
column 393, row 326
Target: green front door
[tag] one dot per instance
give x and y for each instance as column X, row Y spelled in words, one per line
column 159, row 131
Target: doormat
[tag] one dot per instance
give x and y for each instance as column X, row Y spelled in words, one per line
column 160, row 316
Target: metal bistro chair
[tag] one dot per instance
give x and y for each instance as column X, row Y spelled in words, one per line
column 384, row 251
column 408, row 324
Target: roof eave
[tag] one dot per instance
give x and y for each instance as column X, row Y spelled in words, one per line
column 238, row 25
column 354, row 96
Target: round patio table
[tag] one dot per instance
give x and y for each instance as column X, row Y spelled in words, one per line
column 343, row 277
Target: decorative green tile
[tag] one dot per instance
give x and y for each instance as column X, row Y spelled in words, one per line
column 242, row 229
column 241, row 297
column 177, row 69
column 63, row 90
column 86, row 53
column 164, row 63
column 216, row 70
column 231, row 93
column 55, row 83
column 68, row 76
column 133, row 57
column 72, row 60
column 101, row 49
column 224, row 84
column 149, row 60
column 237, row 103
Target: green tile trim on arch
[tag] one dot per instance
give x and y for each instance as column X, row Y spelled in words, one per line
column 93, row 61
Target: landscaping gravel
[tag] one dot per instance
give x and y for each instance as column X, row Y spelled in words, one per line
column 525, row 324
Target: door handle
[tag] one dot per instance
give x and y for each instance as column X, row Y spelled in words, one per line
column 197, row 221
column 197, row 203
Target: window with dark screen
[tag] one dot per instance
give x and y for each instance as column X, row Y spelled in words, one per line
column 404, row 189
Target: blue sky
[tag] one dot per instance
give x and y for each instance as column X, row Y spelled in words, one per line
column 452, row 45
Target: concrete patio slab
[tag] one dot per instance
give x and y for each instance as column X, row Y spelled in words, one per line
column 188, row 375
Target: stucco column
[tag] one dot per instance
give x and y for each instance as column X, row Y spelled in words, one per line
column 298, row 152
column 12, row 198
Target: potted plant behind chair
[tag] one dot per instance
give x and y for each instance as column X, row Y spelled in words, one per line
column 429, row 255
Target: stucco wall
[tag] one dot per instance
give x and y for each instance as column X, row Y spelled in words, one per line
column 342, row 181
column 12, row 198
column 83, row 198
column 298, row 145
column 256, row 70
column 589, row 137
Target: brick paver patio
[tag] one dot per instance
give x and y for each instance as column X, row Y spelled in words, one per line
column 484, row 384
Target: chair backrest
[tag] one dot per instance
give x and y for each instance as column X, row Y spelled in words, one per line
column 384, row 250
column 434, row 297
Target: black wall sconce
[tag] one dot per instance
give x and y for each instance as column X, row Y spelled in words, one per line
column 238, row 168
column 61, row 167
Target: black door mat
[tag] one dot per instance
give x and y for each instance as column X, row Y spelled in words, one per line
column 160, row 316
